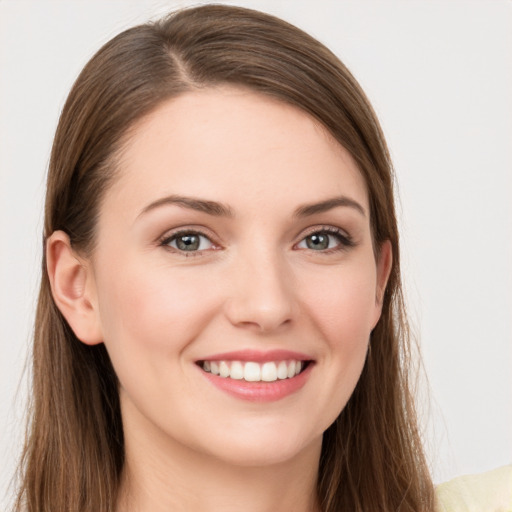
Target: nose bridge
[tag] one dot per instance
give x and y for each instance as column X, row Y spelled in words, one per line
column 262, row 293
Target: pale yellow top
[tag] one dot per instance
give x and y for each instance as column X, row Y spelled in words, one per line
column 487, row 492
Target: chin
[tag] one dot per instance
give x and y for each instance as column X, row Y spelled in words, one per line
column 263, row 445
column 254, row 456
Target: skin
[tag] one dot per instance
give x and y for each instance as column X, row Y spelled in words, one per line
column 254, row 283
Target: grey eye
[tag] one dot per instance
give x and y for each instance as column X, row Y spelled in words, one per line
column 322, row 241
column 318, row 241
column 189, row 242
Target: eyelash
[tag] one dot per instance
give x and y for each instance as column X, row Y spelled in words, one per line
column 345, row 241
column 167, row 239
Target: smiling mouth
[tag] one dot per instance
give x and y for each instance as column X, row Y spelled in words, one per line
column 251, row 371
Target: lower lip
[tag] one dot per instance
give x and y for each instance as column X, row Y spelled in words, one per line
column 260, row 391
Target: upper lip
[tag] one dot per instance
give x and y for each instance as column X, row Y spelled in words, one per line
column 258, row 356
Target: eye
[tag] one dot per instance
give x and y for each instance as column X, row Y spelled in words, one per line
column 325, row 239
column 188, row 241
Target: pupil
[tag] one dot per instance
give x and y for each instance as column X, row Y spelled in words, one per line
column 188, row 242
column 317, row 241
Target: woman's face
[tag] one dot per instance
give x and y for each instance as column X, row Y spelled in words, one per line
column 236, row 240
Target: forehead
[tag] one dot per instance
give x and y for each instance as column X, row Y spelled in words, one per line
column 225, row 143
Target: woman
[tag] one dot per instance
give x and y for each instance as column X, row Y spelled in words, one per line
column 220, row 322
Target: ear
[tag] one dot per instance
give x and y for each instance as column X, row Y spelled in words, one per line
column 384, row 264
column 73, row 290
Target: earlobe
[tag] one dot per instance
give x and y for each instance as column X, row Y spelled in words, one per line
column 72, row 288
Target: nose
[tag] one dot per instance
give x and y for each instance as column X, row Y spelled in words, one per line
column 262, row 296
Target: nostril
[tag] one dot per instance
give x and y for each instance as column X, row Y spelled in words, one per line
column 263, row 299
column 262, row 318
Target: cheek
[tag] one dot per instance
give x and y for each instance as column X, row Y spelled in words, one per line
column 343, row 305
column 343, row 309
column 152, row 311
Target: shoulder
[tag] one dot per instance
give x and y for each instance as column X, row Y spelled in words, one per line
column 486, row 492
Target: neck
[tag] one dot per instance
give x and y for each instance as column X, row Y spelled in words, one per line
column 161, row 475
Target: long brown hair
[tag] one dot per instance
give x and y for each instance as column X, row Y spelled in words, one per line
column 372, row 458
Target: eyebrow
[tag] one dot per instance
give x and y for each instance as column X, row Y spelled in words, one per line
column 324, row 206
column 192, row 203
column 221, row 210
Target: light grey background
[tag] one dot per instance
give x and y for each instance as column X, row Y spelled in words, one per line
column 439, row 75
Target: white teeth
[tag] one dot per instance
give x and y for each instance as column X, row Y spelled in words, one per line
column 224, row 370
column 237, row 370
column 214, row 368
column 282, row 370
column 269, row 372
column 254, row 372
column 291, row 369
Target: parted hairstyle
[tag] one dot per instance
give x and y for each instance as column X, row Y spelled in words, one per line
column 372, row 457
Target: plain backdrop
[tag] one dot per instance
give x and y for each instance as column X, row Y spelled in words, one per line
column 439, row 76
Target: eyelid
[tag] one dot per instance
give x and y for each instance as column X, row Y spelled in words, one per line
column 346, row 240
column 169, row 235
column 325, row 228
